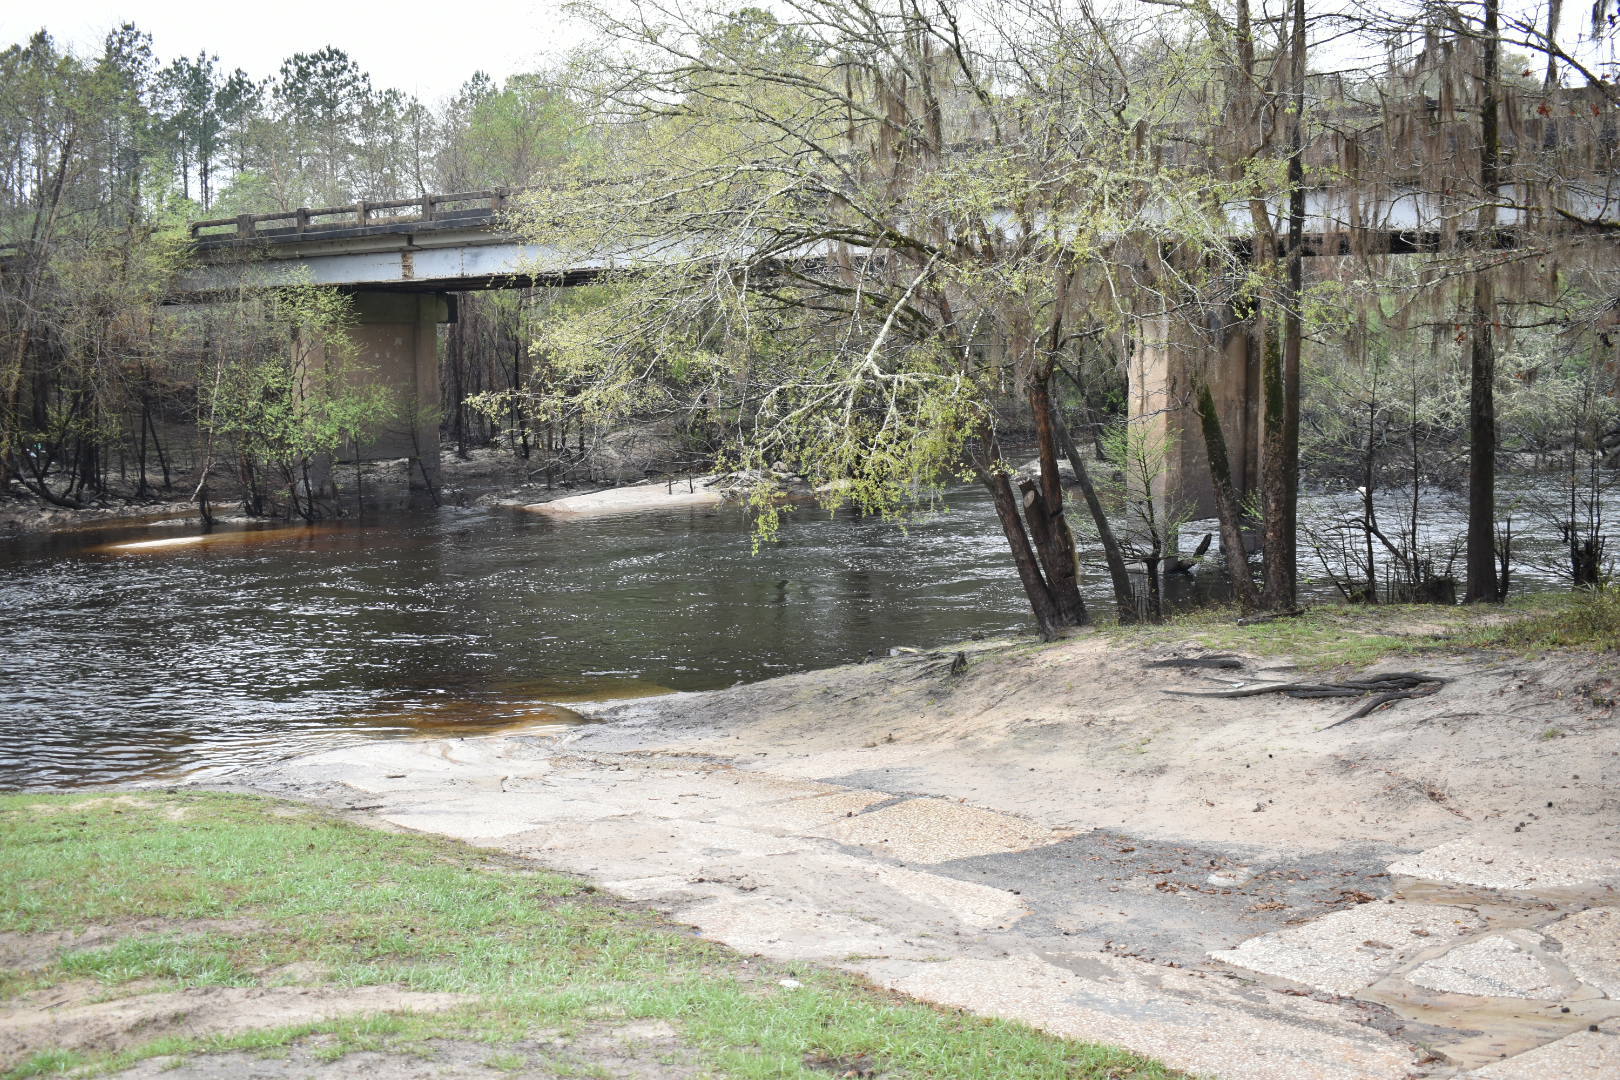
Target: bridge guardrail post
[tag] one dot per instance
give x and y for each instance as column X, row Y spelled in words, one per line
column 429, row 207
column 362, row 213
column 244, row 225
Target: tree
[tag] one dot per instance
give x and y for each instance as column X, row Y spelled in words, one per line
column 280, row 391
column 1483, row 585
column 321, row 97
column 886, row 216
column 86, row 272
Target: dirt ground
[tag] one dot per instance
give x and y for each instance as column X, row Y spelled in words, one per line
column 647, row 1050
column 80, row 1017
column 1230, row 885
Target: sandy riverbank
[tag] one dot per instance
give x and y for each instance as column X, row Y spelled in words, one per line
column 1230, row 886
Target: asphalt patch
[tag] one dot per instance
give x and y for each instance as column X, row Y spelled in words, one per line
column 1168, row 903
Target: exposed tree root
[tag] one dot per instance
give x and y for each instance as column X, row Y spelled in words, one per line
column 1391, row 687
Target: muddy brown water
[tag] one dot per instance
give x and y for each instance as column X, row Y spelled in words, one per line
column 143, row 649
column 146, row 650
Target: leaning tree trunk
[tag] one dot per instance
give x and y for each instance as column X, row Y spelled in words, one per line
column 1050, row 617
column 1226, row 502
column 1124, row 592
column 1043, row 511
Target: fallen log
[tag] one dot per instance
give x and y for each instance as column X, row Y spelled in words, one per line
column 1225, row 661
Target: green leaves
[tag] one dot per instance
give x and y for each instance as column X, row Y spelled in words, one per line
column 303, row 391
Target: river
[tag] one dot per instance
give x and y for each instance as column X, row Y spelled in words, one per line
column 120, row 662
column 181, row 654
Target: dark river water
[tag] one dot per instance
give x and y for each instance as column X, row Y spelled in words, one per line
column 120, row 662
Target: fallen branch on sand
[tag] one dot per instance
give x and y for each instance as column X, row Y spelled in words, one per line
column 1394, row 686
column 1228, row 661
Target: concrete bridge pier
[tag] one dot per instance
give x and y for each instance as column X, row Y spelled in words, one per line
column 395, row 335
column 1169, row 359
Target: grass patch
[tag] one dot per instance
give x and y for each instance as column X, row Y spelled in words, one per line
column 1587, row 619
column 350, row 906
column 1339, row 635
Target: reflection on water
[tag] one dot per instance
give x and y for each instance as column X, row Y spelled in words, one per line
column 224, row 537
column 190, row 652
column 119, row 661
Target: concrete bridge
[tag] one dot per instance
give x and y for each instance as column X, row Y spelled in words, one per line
column 404, row 260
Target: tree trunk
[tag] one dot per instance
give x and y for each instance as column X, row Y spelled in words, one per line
column 1481, row 560
column 992, row 474
column 141, row 489
column 1124, row 593
column 1226, row 503
column 1280, row 472
column 1048, row 525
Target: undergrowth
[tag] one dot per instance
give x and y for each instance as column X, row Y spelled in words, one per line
column 1338, row 635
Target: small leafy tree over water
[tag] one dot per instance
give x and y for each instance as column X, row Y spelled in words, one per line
column 282, row 392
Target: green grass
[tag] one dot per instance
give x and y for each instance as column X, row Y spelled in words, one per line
column 1586, row 619
column 540, row 952
column 1338, row 635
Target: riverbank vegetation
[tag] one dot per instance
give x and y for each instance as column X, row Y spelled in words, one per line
column 867, row 249
column 240, row 921
column 1351, row 638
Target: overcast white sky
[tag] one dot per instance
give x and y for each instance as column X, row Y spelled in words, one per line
column 428, row 53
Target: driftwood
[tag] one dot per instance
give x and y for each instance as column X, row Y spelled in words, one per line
column 1225, row 661
column 1394, row 686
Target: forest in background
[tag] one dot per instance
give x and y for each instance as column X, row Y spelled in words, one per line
column 1015, row 197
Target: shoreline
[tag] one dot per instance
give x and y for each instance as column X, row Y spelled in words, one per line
column 1227, row 886
column 486, row 477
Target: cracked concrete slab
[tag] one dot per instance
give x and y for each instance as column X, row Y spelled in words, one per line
column 1510, row 964
column 1585, row 1055
column 1498, row 864
column 935, row 831
column 1590, row 943
column 1199, row 1024
column 1346, row 951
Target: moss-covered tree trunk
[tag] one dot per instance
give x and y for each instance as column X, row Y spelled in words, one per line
column 1280, row 366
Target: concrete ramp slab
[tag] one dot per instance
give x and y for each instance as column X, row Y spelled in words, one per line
column 1584, row 1055
column 1344, row 952
column 1504, row 865
column 1194, row 1024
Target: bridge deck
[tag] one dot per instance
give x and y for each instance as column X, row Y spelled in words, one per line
column 459, row 210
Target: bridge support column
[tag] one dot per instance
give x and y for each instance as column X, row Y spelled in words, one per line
column 397, row 339
column 1169, row 358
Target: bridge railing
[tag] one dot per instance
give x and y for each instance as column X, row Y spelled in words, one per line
column 461, row 207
